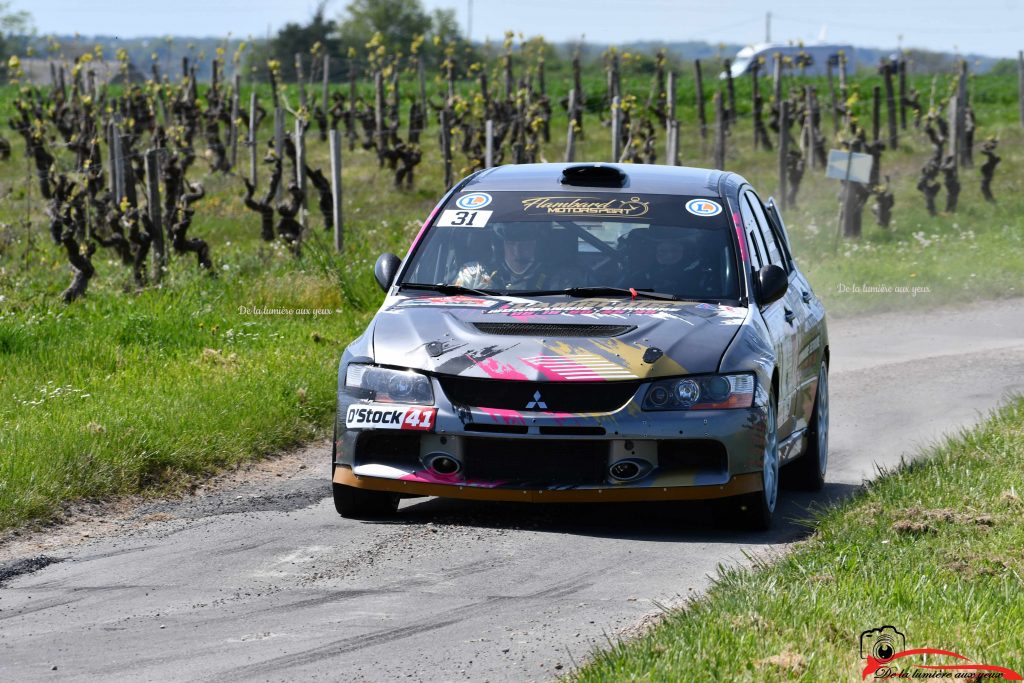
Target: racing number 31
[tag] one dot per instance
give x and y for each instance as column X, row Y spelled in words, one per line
column 464, row 218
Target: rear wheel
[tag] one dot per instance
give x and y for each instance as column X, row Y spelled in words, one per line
column 756, row 510
column 808, row 471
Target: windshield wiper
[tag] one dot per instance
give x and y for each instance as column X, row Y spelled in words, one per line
column 598, row 291
column 447, row 289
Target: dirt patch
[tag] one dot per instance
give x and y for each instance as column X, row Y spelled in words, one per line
column 25, row 566
column 787, row 660
column 917, row 520
column 246, row 488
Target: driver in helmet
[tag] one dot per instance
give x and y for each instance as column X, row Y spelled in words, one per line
column 675, row 266
column 518, row 264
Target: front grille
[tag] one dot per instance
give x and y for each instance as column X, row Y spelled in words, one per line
column 688, row 455
column 540, row 462
column 553, row 330
column 566, row 397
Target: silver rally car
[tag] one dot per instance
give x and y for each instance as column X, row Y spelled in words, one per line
column 595, row 332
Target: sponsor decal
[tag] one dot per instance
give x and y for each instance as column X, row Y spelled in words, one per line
column 463, row 219
column 588, row 307
column 413, row 418
column 473, row 200
column 594, row 207
column 885, row 652
column 458, row 301
column 703, row 207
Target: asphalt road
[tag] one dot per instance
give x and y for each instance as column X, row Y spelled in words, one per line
column 261, row 580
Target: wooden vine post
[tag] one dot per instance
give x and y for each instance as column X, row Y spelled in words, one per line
column 570, row 135
column 446, row 147
column 251, row 141
column 1020, row 85
column 890, row 104
column 339, row 233
column 153, row 188
column 324, row 94
column 236, row 87
column 720, row 124
column 616, row 132
column 300, row 169
column 699, row 89
column 279, row 143
column 783, row 150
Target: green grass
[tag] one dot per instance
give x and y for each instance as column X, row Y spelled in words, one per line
column 162, row 408
column 933, row 548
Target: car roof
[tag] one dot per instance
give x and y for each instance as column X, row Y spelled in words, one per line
column 648, row 178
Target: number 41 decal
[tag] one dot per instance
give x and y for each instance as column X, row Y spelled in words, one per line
column 420, row 419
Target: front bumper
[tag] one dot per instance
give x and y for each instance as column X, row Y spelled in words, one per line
column 540, row 456
column 738, row 485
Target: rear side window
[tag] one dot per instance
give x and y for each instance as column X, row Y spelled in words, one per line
column 773, row 253
column 758, row 250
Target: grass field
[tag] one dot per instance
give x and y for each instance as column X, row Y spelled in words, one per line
column 126, row 391
column 933, row 548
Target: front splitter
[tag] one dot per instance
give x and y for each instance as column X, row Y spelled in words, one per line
column 738, row 485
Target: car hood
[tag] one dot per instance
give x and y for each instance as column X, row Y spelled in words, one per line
column 553, row 339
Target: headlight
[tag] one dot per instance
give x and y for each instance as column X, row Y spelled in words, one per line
column 701, row 392
column 388, row 386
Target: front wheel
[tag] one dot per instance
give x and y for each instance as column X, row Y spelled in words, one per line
column 353, row 503
column 808, row 471
column 756, row 510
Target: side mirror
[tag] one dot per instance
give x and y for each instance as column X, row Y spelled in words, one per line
column 385, row 270
column 772, row 283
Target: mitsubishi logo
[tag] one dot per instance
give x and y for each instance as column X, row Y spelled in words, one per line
column 537, row 402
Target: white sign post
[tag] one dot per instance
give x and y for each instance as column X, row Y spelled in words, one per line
column 848, row 167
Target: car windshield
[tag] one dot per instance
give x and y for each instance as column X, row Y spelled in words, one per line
column 519, row 242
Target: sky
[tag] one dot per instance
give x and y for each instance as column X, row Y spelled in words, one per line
column 988, row 27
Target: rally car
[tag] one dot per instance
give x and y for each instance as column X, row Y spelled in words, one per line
column 594, row 332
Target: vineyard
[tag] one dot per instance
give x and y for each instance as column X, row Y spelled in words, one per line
column 181, row 263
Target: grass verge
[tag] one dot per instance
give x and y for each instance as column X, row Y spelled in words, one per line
column 933, row 548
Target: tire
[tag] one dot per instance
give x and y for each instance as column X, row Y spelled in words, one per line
column 808, row 471
column 353, row 503
column 755, row 511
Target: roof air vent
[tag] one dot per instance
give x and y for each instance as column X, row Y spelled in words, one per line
column 593, row 175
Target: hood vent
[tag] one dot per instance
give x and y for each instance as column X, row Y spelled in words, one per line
column 553, row 330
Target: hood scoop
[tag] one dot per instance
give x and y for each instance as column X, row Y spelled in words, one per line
column 553, row 330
